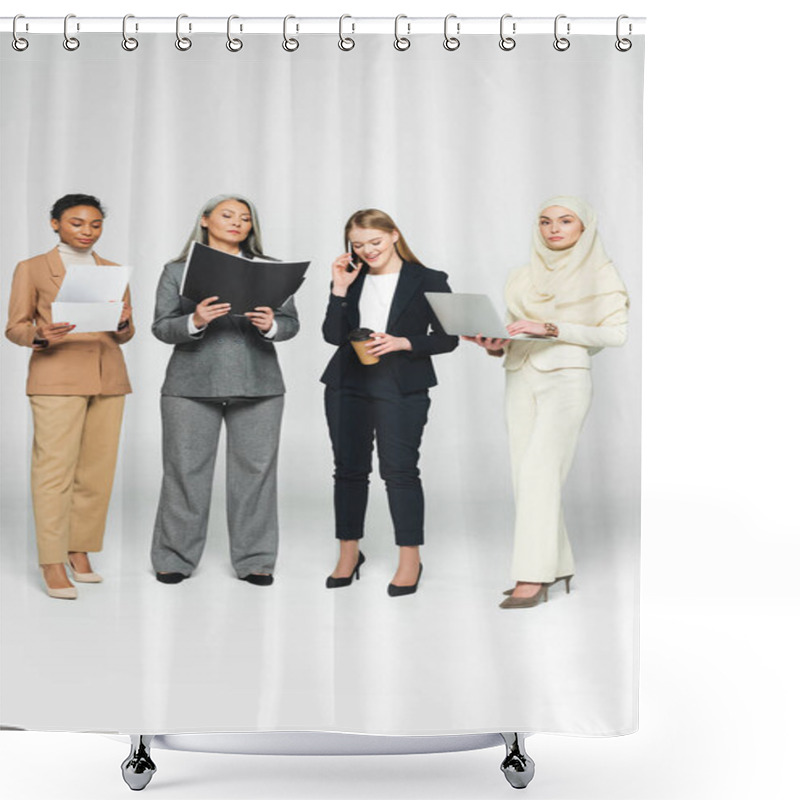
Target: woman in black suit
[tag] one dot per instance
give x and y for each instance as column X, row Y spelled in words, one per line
column 380, row 285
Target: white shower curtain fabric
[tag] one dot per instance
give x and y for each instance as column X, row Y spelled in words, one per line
column 460, row 148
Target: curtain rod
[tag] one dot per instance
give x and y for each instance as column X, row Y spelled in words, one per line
column 347, row 25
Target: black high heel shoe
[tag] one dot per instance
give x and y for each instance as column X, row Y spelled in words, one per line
column 335, row 583
column 398, row 591
column 170, row 577
column 258, row 579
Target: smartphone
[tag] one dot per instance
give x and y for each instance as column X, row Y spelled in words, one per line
column 355, row 261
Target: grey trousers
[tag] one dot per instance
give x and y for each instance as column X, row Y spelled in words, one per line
column 190, row 434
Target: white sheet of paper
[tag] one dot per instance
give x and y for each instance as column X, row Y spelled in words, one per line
column 85, row 283
column 88, row 317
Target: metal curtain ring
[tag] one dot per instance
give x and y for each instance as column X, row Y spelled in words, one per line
column 18, row 43
column 623, row 45
column 401, row 42
column 129, row 43
column 561, row 43
column 451, row 42
column 70, row 42
column 346, row 42
column 507, row 42
column 183, row 43
column 289, row 44
column 234, row 45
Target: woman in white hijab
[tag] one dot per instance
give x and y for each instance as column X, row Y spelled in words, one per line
column 572, row 299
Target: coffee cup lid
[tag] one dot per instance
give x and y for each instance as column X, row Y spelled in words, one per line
column 360, row 334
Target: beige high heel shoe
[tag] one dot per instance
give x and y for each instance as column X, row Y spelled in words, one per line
column 83, row 577
column 68, row 593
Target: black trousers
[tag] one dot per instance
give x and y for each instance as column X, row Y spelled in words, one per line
column 377, row 412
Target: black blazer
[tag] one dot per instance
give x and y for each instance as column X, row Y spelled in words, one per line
column 410, row 316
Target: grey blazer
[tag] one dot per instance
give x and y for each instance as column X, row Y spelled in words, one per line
column 229, row 358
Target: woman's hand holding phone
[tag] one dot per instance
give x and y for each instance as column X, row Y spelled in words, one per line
column 344, row 272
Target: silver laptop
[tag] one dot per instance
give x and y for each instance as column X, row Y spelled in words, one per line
column 468, row 315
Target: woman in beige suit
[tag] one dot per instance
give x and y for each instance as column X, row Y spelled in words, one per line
column 571, row 297
column 76, row 384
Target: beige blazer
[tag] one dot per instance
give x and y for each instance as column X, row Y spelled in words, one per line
column 82, row 363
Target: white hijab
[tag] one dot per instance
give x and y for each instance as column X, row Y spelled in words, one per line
column 579, row 284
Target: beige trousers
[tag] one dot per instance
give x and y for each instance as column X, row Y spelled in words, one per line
column 544, row 413
column 75, row 440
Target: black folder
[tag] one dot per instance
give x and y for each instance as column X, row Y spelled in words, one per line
column 243, row 282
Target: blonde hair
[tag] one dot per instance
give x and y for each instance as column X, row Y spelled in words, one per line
column 251, row 246
column 379, row 220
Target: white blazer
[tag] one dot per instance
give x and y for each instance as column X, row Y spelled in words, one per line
column 573, row 347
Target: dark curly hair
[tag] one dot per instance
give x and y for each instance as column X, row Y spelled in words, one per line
column 72, row 200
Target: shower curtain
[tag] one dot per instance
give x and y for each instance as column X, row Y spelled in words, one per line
column 460, row 148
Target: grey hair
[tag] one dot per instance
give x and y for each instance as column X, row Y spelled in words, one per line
column 251, row 246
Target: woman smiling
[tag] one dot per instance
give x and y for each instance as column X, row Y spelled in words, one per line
column 377, row 297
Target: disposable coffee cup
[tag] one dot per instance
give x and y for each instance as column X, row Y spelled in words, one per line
column 360, row 338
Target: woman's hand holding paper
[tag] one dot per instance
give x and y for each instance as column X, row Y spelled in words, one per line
column 53, row 332
column 125, row 317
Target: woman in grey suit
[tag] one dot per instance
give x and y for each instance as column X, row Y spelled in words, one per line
column 223, row 367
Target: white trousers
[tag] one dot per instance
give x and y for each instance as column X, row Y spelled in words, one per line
column 544, row 414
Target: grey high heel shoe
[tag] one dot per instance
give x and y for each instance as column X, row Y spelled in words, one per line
column 565, row 578
column 526, row 602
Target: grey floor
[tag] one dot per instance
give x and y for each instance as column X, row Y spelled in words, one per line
column 706, row 731
column 719, row 703
column 216, row 654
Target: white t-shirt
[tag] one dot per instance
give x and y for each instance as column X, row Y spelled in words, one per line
column 376, row 300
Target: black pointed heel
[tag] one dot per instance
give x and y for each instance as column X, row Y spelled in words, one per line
column 335, row 583
column 399, row 591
